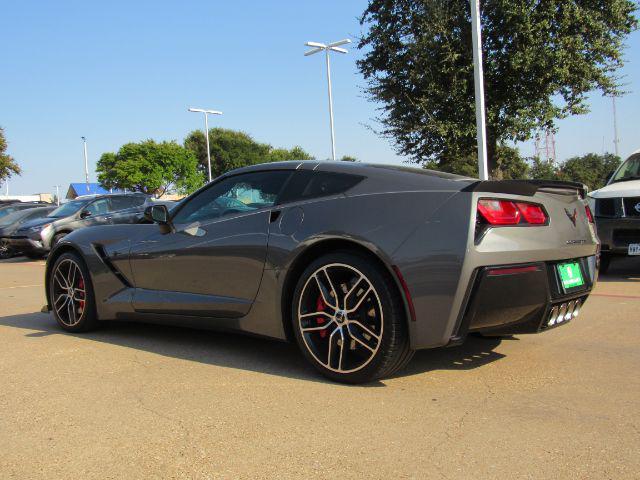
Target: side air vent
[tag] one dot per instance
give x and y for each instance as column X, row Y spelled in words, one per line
column 105, row 259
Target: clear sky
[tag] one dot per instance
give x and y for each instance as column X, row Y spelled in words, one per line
column 121, row 71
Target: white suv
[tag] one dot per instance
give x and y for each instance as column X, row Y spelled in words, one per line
column 617, row 210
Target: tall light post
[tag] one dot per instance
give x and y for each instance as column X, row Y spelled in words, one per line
column 616, row 140
column 319, row 47
column 57, row 187
column 206, row 131
column 478, row 74
column 86, row 162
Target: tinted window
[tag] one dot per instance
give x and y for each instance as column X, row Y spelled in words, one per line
column 122, row 203
column 310, row 184
column 68, row 208
column 241, row 193
column 99, row 207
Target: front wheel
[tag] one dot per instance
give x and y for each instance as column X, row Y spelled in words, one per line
column 5, row 249
column 71, row 294
column 349, row 320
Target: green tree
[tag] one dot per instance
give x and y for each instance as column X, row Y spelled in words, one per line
column 348, row 158
column 509, row 165
column 541, row 58
column 150, row 167
column 8, row 165
column 542, row 170
column 591, row 169
column 282, row 154
column 231, row 149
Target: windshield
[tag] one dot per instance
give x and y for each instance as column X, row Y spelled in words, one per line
column 630, row 170
column 13, row 217
column 68, row 208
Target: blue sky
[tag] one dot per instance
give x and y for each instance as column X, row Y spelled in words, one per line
column 123, row 71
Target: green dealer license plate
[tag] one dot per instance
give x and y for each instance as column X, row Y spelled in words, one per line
column 570, row 275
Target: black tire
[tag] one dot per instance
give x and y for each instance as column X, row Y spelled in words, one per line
column 56, row 238
column 605, row 263
column 81, row 316
column 5, row 250
column 370, row 304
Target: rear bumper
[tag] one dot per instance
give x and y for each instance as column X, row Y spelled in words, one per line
column 616, row 234
column 518, row 299
column 26, row 245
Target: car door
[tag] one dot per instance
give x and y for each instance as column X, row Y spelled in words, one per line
column 211, row 263
column 97, row 212
column 127, row 208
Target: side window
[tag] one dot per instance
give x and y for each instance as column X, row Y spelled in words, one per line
column 123, row 203
column 311, row 184
column 99, row 207
column 237, row 194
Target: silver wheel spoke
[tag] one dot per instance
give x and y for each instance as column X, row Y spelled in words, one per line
column 367, row 330
column 71, row 311
column 324, row 295
column 57, row 301
column 364, row 295
column 353, row 289
column 335, row 292
column 58, row 276
column 315, row 314
column 71, row 276
column 331, row 347
column 75, row 294
column 361, row 342
column 315, row 329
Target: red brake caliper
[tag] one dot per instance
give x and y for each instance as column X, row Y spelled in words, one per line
column 81, row 302
column 320, row 306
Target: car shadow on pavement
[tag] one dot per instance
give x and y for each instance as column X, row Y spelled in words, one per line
column 246, row 352
column 622, row 269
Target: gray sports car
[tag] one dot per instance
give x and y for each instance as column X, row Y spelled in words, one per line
column 360, row 264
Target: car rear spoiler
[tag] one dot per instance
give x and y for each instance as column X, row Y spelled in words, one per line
column 528, row 187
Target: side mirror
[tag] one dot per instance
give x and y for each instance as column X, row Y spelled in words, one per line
column 157, row 214
column 85, row 214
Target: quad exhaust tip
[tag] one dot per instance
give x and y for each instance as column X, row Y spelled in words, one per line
column 564, row 312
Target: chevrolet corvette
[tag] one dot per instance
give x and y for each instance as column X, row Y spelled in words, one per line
column 359, row 264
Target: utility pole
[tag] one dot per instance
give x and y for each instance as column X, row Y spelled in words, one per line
column 478, row 77
column 616, row 140
column 86, row 163
column 57, row 187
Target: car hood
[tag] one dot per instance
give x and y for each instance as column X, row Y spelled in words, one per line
column 36, row 222
column 629, row 188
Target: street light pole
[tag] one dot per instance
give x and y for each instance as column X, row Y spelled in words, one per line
column 57, row 194
column 478, row 74
column 616, row 140
column 86, row 162
column 318, row 47
column 206, row 131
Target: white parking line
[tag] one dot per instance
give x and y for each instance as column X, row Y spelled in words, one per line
column 21, row 286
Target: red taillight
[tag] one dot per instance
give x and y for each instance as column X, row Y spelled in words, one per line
column 499, row 212
column 532, row 213
column 505, row 212
column 587, row 210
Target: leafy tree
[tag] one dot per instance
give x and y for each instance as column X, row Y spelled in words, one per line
column 282, row 154
column 543, row 170
column 231, row 149
column 509, row 165
column 541, row 58
column 348, row 158
column 150, row 167
column 591, row 169
column 8, row 165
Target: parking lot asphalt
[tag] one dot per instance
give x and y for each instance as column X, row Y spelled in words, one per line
column 142, row 401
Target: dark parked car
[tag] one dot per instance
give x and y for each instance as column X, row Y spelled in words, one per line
column 13, row 221
column 360, row 264
column 35, row 238
column 6, row 209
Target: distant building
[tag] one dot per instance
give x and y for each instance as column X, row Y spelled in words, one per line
column 78, row 189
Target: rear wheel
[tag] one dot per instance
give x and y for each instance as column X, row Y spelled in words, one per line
column 349, row 319
column 605, row 263
column 71, row 294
